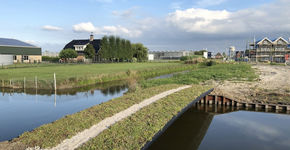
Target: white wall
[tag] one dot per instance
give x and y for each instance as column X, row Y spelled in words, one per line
column 6, row 59
column 150, row 56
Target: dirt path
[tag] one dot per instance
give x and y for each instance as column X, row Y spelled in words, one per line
column 87, row 134
column 273, row 86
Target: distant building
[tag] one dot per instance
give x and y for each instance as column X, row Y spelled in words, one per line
column 150, row 56
column 50, row 54
column 239, row 55
column 175, row 55
column 209, row 54
column 269, row 50
column 80, row 45
column 18, row 51
column 218, row 56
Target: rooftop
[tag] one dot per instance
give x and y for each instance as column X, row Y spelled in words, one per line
column 14, row 42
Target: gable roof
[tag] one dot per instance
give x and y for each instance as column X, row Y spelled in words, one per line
column 274, row 41
column 260, row 41
column 14, row 43
column 96, row 44
column 280, row 38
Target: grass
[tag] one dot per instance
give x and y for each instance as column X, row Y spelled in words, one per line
column 78, row 75
column 54, row 133
column 240, row 72
column 135, row 131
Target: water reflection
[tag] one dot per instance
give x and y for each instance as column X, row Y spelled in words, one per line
column 106, row 88
column 219, row 127
column 20, row 112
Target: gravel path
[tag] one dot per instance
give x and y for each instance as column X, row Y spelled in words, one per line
column 95, row 130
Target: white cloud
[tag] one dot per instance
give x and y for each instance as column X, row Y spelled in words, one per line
column 51, row 28
column 267, row 18
column 85, row 27
column 106, row 30
column 197, row 20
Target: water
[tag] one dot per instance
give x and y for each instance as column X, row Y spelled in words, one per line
column 20, row 112
column 222, row 128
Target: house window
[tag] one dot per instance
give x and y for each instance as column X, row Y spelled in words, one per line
column 14, row 57
column 25, row 57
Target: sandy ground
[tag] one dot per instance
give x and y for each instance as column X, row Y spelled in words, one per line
column 273, row 86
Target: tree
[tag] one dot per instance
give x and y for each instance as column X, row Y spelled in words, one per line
column 200, row 52
column 68, row 54
column 118, row 48
column 128, row 50
column 140, row 52
column 112, row 47
column 90, row 51
column 104, row 52
column 224, row 55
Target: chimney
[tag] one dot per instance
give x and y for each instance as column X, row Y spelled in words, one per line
column 91, row 37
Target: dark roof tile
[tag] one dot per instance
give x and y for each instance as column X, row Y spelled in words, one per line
column 14, row 42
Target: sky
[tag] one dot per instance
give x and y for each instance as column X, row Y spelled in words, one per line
column 158, row 24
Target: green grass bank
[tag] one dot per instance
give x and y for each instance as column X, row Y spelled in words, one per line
column 135, row 131
column 79, row 75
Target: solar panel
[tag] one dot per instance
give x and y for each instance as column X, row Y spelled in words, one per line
column 13, row 42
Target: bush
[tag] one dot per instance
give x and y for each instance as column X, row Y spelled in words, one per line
column 50, row 59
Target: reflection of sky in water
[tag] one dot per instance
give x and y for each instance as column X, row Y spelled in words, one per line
column 24, row 112
column 248, row 130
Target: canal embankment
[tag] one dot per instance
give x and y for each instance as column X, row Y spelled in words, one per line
column 69, row 76
column 54, row 133
column 152, row 119
column 271, row 88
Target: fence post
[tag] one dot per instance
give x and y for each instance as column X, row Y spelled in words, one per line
column 10, row 83
column 24, row 80
column 35, row 82
column 54, row 79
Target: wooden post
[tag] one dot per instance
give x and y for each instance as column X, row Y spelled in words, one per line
column 35, row 82
column 54, row 79
column 24, row 83
column 10, row 83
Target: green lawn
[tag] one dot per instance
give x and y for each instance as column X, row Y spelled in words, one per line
column 76, row 75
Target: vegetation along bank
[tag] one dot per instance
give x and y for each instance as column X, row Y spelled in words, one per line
column 130, row 132
column 79, row 75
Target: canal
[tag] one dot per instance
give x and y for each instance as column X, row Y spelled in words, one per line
column 211, row 127
column 22, row 111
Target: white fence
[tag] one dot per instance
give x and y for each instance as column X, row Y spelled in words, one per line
column 6, row 59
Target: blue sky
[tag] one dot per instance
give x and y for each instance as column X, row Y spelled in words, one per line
column 160, row 25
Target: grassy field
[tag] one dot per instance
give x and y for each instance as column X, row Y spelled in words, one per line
column 130, row 133
column 218, row 72
column 77, row 75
